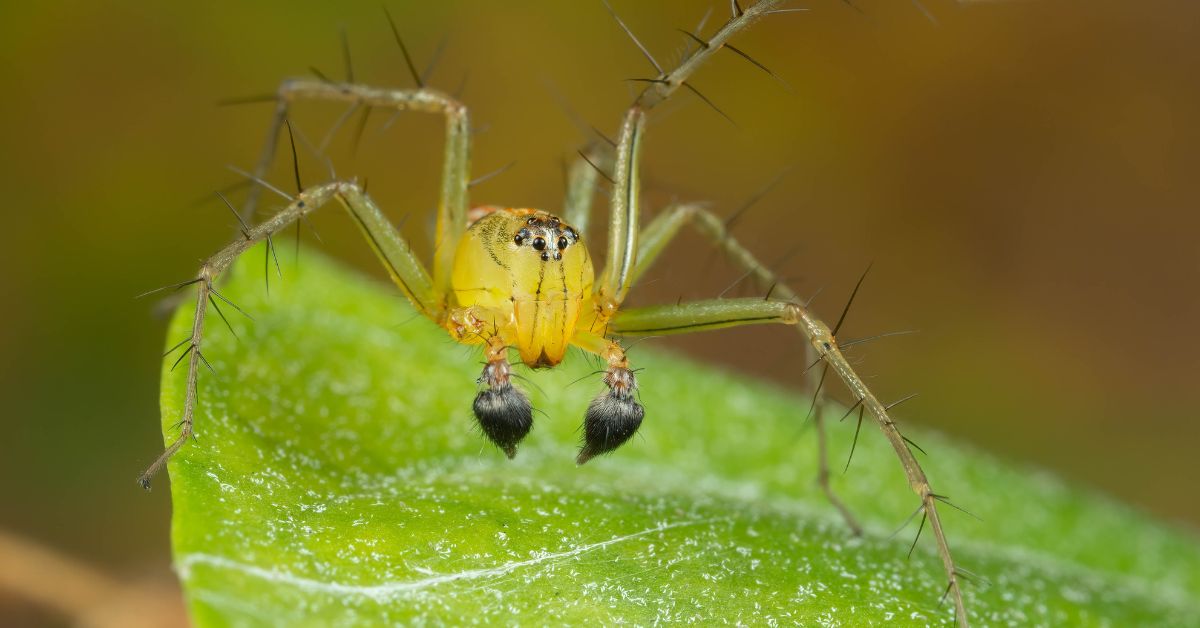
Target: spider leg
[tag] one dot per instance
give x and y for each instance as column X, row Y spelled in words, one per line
column 452, row 205
column 654, row 239
column 405, row 269
column 614, row 282
column 719, row 313
column 583, row 177
column 656, row 235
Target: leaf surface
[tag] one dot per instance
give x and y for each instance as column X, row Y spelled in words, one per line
column 338, row 477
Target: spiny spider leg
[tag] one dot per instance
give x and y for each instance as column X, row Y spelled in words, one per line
column 614, row 282
column 452, row 204
column 654, row 239
column 583, row 177
column 719, row 313
column 599, row 157
column 402, row 264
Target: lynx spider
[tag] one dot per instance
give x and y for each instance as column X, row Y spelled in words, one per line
column 522, row 279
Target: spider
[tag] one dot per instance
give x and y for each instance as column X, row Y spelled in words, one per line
column 523, row 280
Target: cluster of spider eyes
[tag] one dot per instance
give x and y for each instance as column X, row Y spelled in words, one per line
column 539, row 243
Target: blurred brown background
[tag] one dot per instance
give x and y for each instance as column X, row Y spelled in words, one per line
column 1021, row 173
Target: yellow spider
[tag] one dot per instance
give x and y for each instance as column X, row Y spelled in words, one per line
column 523, row 279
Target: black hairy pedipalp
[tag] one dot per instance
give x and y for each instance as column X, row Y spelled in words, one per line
column 610, row 421
column 505, row 416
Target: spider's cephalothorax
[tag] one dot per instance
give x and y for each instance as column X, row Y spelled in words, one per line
column 523, row 279
column 522, row 274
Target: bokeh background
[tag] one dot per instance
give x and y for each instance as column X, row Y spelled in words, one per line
column 1022, row 174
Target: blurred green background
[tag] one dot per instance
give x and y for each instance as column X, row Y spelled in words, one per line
column 1021, row 173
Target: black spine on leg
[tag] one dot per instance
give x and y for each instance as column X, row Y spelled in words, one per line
column 504, row 412
column 612, row 418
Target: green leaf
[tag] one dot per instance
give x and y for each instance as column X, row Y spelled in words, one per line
column 338, row 477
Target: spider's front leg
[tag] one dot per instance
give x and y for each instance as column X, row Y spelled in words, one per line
column 623, row 225
column 583, row 179
column 405, row 268
column 452, row 203
column 429, row 294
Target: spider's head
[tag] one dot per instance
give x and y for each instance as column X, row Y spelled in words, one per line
column 529, row 272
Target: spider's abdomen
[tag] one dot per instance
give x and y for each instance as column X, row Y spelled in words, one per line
column 526, row 274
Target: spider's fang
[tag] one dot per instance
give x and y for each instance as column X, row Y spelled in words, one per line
column 504, row 412
column 613, row 417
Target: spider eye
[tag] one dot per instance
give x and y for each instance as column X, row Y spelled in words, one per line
column 545, row 257
column 562, row 243
column 539, row 243
column 519, row 239
column 531, row 220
